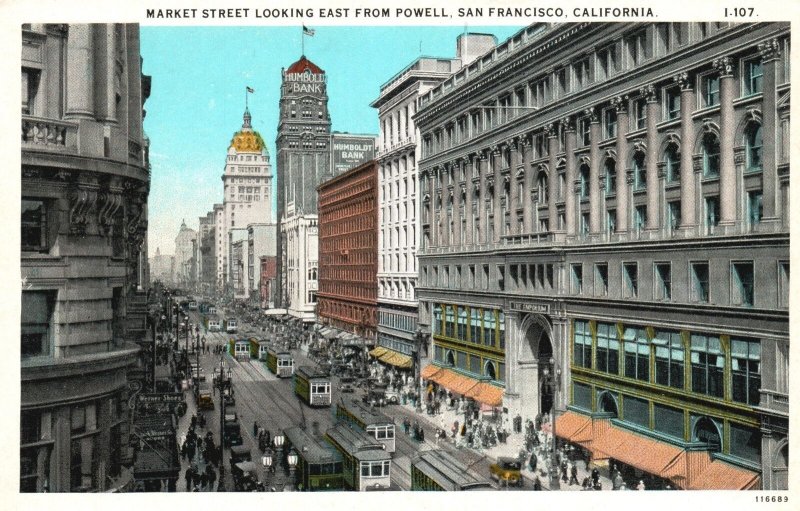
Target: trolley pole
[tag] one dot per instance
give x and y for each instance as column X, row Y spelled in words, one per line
column 221, row 385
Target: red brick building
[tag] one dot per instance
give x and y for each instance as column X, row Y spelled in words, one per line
column 348, row 251
column 267, row 281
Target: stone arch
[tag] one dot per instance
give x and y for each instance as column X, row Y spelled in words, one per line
column 778, row 459
column 669, row 139
column 707, row 127
column 532, row 328
column 752, row 116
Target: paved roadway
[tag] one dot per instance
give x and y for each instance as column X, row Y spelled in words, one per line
column 270, row 401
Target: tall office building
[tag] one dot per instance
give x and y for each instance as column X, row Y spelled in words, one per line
column 606, row 237
column 85, row 183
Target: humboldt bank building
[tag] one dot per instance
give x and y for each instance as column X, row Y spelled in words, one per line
column 605, row 237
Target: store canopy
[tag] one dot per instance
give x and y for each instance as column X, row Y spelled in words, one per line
column 487, row 394
column 574, row 427
column 429, row 371
column 377, row 352
column 394, row 358
column 719, row 475
column 647, row 454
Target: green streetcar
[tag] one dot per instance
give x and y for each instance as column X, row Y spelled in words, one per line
column 319, row 465
column 312, row 386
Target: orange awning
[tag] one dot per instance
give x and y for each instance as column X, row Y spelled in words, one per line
column 429, row 370
column 574, row 427
column 651, row 456
column 487, row 394
column 723, row 476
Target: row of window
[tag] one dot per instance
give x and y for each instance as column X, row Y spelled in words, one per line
column 479, row 366
column 659, row 356
column 347, row 312
column 397, row 169
column 397, row 321
column 474, row 325
column 395, row 344
column 742, row 281
column 398, row 212
column 538, row 92
column 397, row 126
column 401, row 289
column 347, row 240
column 744, row 441
column 247, row 157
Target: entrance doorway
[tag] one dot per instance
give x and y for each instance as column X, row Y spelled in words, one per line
column 546, row 378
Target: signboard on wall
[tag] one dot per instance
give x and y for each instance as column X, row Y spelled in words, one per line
column 348, row 151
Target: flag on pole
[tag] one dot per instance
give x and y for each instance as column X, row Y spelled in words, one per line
column 250, row 90
column 308, row 31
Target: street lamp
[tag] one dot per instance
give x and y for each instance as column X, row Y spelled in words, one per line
column 552, row 380
column 419, row 338
column 292, row 459
column 222, row 383
column 266, row 461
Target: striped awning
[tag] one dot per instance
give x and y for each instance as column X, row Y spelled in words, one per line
column 396, row 359
column 429, row 371
column 487, row 394
column 724, row 476
column 458, row 383
column 647, row 454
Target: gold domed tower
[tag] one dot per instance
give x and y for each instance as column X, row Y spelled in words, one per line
column 247, row 183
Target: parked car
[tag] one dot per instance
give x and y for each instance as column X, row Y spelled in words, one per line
column 346, row 385
column 506, row 471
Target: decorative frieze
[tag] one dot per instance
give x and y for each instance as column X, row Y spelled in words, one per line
column 724, row 66
column 770, row 50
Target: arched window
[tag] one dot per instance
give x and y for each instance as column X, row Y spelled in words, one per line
column 584, row 180
column 541, row 185
column 639, row 171
column 490, row 370
column 611, row 176
column 710, row 155
column 753, row 143
column 450, row 358
column 672, row 164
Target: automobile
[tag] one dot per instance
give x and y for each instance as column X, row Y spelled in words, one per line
column 506, row 471
column 375, row 397
column 233, row 432
column 240, row 453
column 346, row 385
column 392, row 396
column 227, row 394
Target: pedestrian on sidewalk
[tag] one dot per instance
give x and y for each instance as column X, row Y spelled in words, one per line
column 640, row 486
column 595, row 476
column 188, row 477
column 617, row 482
column 255, row 428
column 212, row 477
column 537, row 484
column 573, row 478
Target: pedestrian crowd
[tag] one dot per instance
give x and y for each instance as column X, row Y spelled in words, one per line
column 203, row 456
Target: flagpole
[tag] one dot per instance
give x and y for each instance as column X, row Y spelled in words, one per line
column 245, row 98
column 302, row 41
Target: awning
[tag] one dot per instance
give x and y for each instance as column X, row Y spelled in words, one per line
column 377, row 352
column 429, row 370
column 396, row 359
column 574, row 427
column 723, row 476
column 649, row 455
column 487, row 394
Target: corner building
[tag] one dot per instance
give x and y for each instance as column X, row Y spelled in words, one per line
column 85, row 182
column 348, row 251
column 606, row 237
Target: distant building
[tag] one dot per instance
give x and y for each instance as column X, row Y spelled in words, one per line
column 261, row 242
column 267, row 282
column 85, row 184
column 162, row 268
column 348, row 251
column 206, row 254
column 185, row 260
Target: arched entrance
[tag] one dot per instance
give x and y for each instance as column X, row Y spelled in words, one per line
column 534, row 354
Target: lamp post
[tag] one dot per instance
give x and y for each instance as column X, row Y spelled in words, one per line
column 419, row 338
column 222, row 383
column 266, row 461
column 292, row 459
column 552, row 380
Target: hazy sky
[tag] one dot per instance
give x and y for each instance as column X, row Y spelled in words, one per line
column 199, row 75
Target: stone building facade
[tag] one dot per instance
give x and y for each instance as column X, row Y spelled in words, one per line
column 606, row 234
column 85, row 182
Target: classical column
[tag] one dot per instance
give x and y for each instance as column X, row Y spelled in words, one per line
column 468, row 213
column 514, row 336
column 457, row 234
column 569, row 146
column 444, row 197
column 770, row 56
column 499, row 184
column 594, row 171
column 514, row 188
column 434, row 199
column 688, row 199
column 552, row 177
column 621, row 105
column 80, row 72
column 527, row 186
column 651, row 156
column 727, row 176
column 484, row 191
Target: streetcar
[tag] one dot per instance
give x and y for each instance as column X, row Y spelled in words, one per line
column 239, row 349
column 230, row 325
column 377, row 425
column 263, row 349
column 312, row 386
column 280, row 363
column 437, row 470
column 192, row 305
column 366, row 464
column 212, row 322
column 319, row 465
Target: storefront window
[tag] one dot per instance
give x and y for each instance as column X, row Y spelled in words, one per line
column 582, row 396
column 669, row 358
column 502, row 325
column 488, row 327
column 746, row 371
column 437, row 319
column 745, row 442
column 668, row 420
column 637, row 411
column 449, row 322
column 607, row 348
column 462, row 323
column 582, row 346
column 475, row 325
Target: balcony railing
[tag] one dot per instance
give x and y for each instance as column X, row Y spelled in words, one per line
column 49, row 134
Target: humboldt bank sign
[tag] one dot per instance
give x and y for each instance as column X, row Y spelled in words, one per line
column 304, row 83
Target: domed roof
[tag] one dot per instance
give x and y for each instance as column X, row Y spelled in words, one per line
column 247, row 139
column 304, row 64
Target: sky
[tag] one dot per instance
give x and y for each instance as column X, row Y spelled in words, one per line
column 197, row 99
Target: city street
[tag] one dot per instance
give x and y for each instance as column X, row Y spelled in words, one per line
column 270, row 401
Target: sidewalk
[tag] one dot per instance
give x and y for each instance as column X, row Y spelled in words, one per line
column 511, row 448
